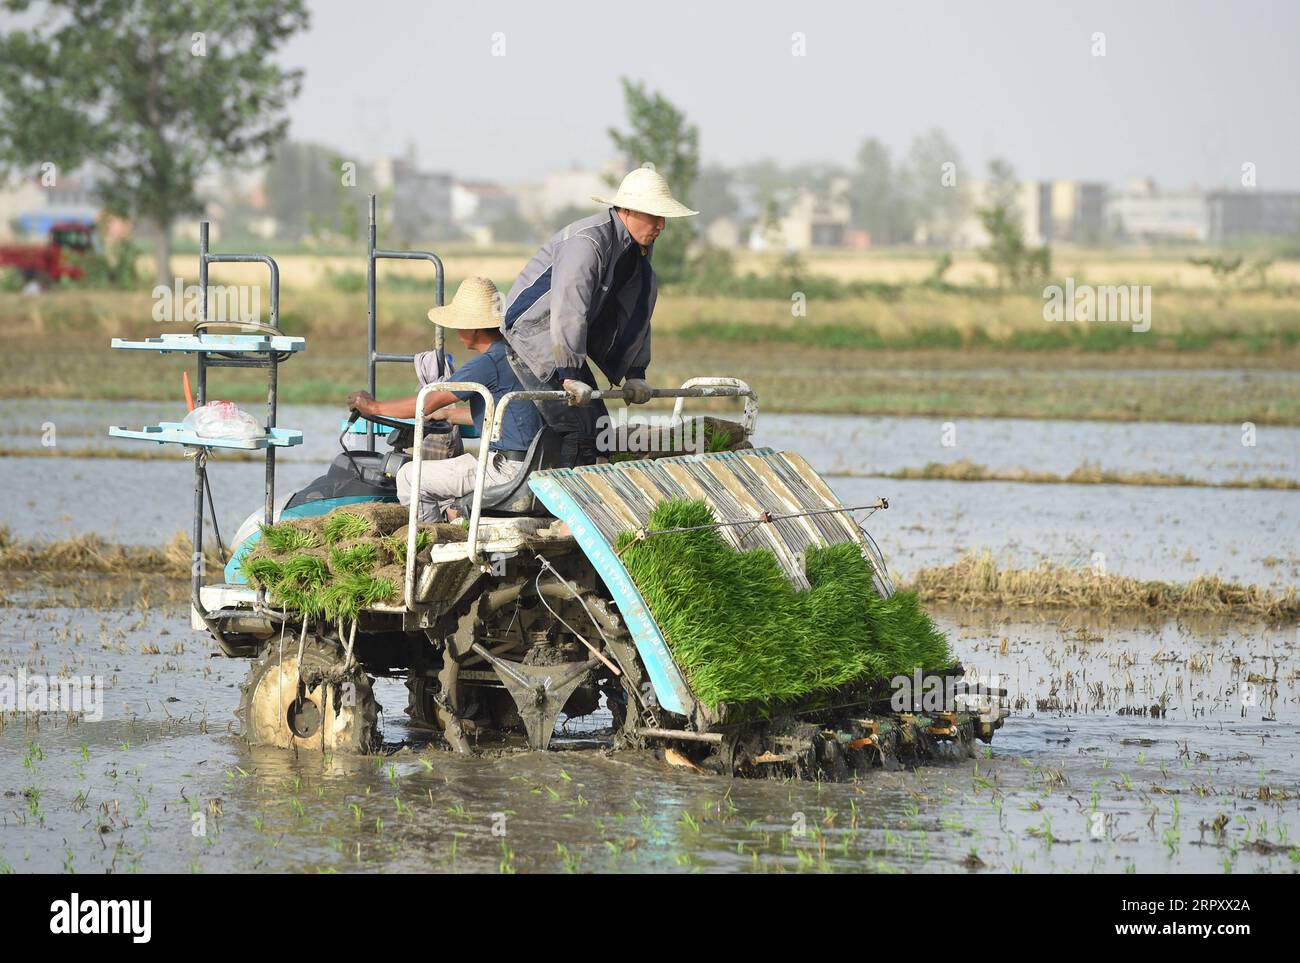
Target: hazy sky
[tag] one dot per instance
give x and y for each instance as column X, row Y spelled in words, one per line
column 1186, row 92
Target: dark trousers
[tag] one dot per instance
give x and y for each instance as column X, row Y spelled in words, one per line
column 578, row 424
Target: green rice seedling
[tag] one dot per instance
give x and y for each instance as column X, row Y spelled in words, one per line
column 341, row 525
column 396, row 543
column 305, row 571
column 286, row 537
column 306, row 601
column 717, row 438
column 359, row 559
column 742, row 632
column 347, row 595
column 261, row 571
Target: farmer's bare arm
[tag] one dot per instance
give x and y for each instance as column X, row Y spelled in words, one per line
column 455, row 416
column 399, row 407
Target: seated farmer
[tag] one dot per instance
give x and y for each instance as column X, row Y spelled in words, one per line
column 475, row 315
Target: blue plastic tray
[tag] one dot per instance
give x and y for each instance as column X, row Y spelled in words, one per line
column 359, row 427
column 171, row 432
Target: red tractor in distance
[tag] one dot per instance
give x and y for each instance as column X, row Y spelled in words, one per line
column 58, row 258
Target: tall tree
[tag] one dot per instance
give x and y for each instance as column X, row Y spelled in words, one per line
column 935, row 185
column 153, row 92
column 660, row 135
column 1016, row 262
column 879, row 196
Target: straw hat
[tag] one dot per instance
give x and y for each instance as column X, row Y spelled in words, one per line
column 477, row 304
column 645, row 190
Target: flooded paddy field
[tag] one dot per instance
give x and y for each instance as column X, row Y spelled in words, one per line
column 1171, row 533
column 1083, row 777
column 1151, row 744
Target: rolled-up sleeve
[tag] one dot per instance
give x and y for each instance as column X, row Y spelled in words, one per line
column 575, row 278
column 426, row 368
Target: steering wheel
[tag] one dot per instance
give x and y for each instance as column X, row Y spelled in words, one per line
column 381, row 420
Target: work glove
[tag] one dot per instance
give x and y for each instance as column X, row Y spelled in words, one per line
column 579, row 392
column 636, row 391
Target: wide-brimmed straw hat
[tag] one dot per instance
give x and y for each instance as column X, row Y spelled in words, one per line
column 645, row 190
column 477, row 304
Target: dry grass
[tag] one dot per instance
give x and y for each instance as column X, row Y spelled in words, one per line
column 1089, row 473
column 90, row 553
column 976, row 580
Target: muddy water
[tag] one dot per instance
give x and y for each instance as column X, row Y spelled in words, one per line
column 1160, row 533
column 1081, row 778
column 835, row 444
column 1070, row 784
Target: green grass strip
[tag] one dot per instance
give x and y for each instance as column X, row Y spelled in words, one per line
column 742, row 632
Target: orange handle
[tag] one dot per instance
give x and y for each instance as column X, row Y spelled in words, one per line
column 189, row 395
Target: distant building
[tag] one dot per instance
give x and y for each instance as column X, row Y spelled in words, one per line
column 477, row 206
column 1232, row 215
column 723, row 232
column 419, row 201
column 1032, row 202
column 562, row 190
column 1077, row 211
column 18, row 197
column 809, row 219
column 1141, row 212
column 27, row 208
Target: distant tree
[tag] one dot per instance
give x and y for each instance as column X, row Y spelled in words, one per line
column 714, row 197
column 305, row 192
column 935, row 192
column 155, row 93
column 659, row 134
column 879, row 197
column 1017, row 263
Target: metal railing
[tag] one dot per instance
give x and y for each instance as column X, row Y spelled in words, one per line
column 494, row 415
column 373, row 354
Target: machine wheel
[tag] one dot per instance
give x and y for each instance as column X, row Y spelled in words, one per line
column 420, row 704
column 317, row 705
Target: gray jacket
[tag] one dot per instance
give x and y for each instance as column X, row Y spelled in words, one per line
column 561, row 311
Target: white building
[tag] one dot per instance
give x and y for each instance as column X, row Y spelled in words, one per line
column 1140, row 211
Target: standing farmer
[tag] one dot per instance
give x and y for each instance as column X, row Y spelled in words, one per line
column 587, row 295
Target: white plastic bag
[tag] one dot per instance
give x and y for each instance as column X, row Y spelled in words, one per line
column 221, row 419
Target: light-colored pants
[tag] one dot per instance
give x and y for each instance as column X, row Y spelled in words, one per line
column 443, row 481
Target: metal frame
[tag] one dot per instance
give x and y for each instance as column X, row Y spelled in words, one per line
column 271, row 363
column 373, row 355
column 494, row 415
